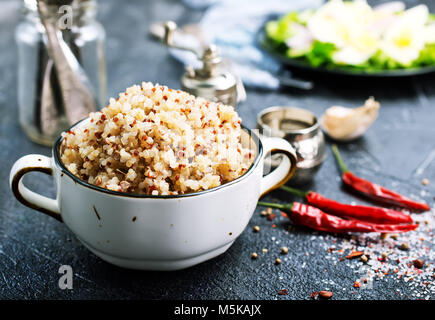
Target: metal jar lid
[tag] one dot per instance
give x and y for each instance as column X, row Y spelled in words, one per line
column 213, row 81
column 301, row 129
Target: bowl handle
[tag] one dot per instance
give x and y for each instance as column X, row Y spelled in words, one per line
column 33, row 162
column 286, row 168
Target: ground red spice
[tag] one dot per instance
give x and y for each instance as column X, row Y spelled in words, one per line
column 283, row 292
column 271, row 216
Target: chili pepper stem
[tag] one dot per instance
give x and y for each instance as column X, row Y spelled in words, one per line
column 275, row 205
column 294, row 191
column 339, row 159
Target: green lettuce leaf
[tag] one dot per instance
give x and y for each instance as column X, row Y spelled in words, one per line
column 380, row 61
column 427, row 56
column 280, row 30
column 321, row 53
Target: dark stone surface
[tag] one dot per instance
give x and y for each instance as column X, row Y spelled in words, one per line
column 33, row 246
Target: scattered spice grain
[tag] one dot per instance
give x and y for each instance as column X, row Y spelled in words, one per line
column 283, row 292
column 270, row 216
column 354, row 254
column 325, row 294
column 404, row 246
column 418, row 263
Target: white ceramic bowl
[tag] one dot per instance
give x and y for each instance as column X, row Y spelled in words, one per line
column 154, row 232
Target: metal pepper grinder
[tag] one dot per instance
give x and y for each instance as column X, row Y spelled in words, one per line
column 212, row 82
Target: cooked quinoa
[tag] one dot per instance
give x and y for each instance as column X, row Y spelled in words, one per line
column 159, row 141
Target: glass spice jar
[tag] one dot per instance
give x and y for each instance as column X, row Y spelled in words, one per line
column 39, row 96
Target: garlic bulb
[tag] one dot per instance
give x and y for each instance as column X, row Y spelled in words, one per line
column 345, row 124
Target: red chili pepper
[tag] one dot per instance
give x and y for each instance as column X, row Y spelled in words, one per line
column 363, row 213
column 316, row 219
column 374, row 191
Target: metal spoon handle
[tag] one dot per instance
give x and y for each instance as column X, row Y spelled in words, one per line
column 74, row 85
column 49, row 115
column 295, row 83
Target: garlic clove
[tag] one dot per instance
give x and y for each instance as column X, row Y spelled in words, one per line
column 345, row 124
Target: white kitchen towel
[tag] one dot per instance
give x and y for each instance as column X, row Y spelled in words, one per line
column 233, row 27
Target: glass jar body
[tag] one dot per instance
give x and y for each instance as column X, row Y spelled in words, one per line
column 41, row 111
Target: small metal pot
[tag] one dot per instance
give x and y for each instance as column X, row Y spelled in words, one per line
column 301, row 128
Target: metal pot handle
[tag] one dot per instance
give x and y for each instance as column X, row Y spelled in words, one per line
column 26, row 164
column 286, row 169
